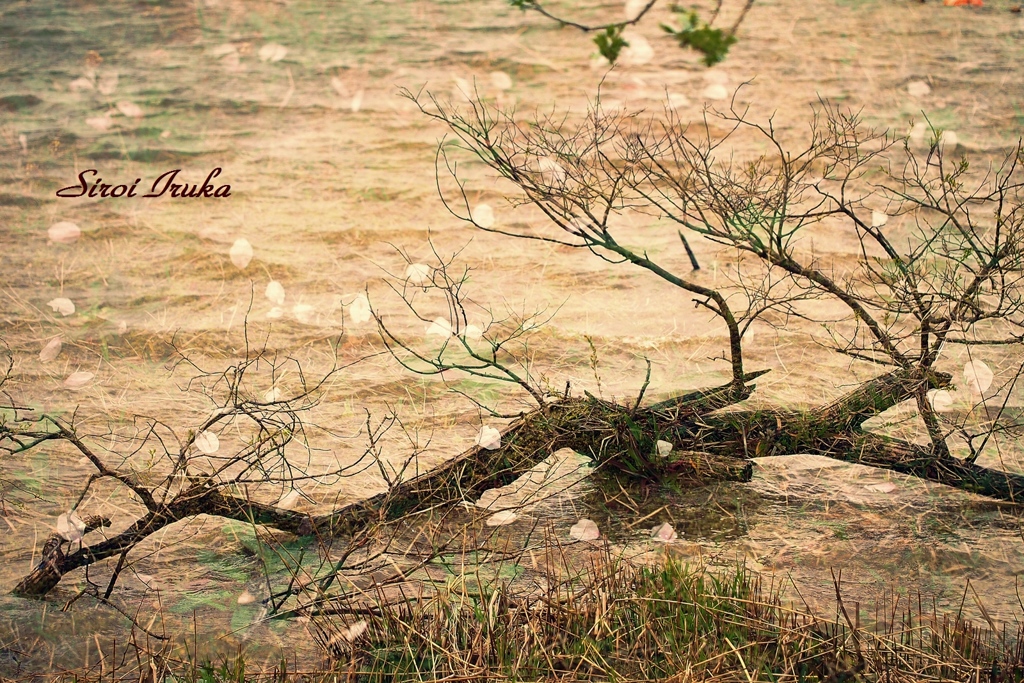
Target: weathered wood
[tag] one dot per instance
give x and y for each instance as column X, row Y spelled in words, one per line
column 53, row 565
column 577, row 423
column 919, row 461
column 757, row 433
column 835, row 431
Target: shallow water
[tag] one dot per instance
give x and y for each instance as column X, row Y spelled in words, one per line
column 331, row 171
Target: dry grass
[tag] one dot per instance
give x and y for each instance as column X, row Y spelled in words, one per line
column 611, row 620
column 616, row 621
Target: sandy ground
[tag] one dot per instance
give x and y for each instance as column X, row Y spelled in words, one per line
column 332, row 172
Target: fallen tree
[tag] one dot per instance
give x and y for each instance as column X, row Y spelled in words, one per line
column 958, row 281
column 597, row 428
column 708, row 448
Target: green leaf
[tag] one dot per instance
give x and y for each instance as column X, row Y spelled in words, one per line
column 610, row 43
column 207, row 674
column 713, row 43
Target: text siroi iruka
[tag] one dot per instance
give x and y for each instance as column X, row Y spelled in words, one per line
column 163, row 185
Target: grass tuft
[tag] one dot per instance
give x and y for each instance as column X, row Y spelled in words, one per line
column 620, row 622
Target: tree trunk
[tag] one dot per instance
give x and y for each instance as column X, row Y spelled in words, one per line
column 53, row 564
